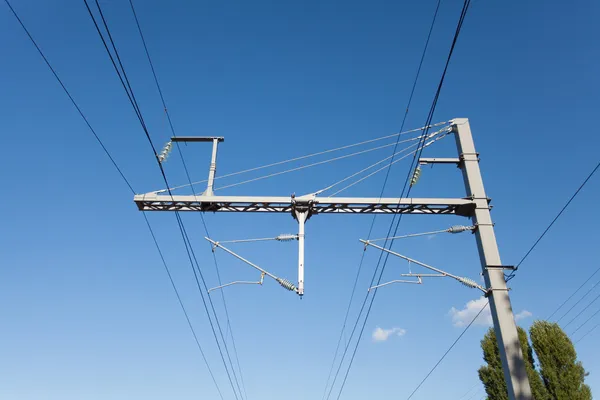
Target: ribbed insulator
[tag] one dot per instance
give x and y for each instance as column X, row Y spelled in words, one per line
column 468, row 282
column 287, row 284
column 285, row 237
column 164, row 154
column 459, row 228
column 416, row 176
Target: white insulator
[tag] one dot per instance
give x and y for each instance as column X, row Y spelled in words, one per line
column 287, row 284
column 286, row 237
column 468, row 282
column 459, row 228
column 164, row 154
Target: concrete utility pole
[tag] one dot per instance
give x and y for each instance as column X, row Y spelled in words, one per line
column 475, row 206
column 513, row 363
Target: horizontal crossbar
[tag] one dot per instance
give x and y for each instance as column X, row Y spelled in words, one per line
column 314, row 205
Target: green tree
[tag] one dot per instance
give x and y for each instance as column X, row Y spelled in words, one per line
column 563, row 375
column 492, row 377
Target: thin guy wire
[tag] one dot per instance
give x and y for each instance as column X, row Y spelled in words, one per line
column 162, row 98
column 410, row 235
column 312, row 165
column 366, row 169
column 126, row 181
column 377, row 163
column 387, row 166
column 306, row 156
column 251, row 240
column 179, row 220
column 375, row 216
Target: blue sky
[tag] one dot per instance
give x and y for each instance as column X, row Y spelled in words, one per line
column 87, row 309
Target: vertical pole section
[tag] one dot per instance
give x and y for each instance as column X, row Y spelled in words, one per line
column 513, row 364
column 212, row 170
column 301, row 217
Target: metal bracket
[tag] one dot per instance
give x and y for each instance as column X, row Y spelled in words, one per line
column 489, row 291
column 509, row 267
column 424, row 161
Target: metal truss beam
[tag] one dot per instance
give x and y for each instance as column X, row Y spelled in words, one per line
column 314, row 205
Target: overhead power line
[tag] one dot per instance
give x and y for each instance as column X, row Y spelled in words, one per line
column 587, row 333
column 579, row 301
column 582, row 311
column 198, row 275
column 409, row 102
column 585, row 322
column 415, row 161
column 62, row 85
column 447, row 351
column 562, row 210
column 124, row 178
column 574, row 293
column 180, row 151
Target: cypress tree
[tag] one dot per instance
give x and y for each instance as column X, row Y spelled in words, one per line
column 563, row 375
column 491, row 374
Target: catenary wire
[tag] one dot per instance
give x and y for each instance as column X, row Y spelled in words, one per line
column 360, row 265
column 415, row 160
column 585, row 322
column 582, row 311
column 172, row 128
column 579, row 301
column 115, row 165
column 587, row 333
column 447, row 351
column 573, row 294
column 87, row 122
column 191, row 255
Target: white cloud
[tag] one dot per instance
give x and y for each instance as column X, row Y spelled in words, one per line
column 522, row 315
column 381, row 335
column 465, row 316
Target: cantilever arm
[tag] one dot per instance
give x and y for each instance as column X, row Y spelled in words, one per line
column 465, row 281
column 286, row 284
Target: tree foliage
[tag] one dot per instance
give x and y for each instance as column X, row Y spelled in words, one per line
column 563, row 375
column 492, row 377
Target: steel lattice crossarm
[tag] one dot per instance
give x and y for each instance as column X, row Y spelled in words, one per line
column 312, row 204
